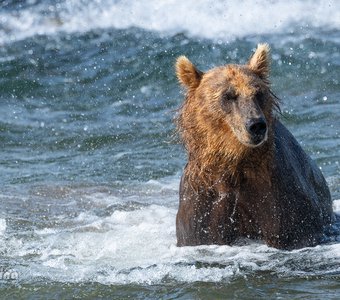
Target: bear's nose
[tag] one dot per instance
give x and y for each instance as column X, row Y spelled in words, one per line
column 257, row 127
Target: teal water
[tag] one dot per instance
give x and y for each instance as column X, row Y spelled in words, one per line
column 90, row 167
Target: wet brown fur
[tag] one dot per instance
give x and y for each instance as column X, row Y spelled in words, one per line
column 231, row 189
column 203, row 126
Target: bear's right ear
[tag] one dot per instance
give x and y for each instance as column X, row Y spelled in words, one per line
column 259, row 63
column 188, row 75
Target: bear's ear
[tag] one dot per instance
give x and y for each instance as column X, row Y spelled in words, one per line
column 188, row 75
column 259, row 63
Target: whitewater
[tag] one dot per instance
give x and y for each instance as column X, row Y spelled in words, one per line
column 90, row 163
column 214, row 20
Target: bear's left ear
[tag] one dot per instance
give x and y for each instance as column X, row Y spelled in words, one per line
column 259, row 63
column 187, row 74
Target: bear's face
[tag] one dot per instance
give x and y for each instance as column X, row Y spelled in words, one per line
column 242, row 100
column 232, row 98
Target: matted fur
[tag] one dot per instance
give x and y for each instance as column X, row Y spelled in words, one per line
column 214, row 152
column 246, row 176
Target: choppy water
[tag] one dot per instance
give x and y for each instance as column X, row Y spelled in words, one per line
column 89, row 170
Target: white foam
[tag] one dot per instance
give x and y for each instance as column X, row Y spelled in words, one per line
column 2, row 226
column 139, row 246
column 336, row 206
column 218, row 19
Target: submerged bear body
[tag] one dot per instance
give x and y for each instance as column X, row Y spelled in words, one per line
column 287, row 208
column 246, row 176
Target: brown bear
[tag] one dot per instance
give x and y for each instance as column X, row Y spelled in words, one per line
column 246, row 175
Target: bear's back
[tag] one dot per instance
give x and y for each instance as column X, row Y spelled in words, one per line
column 301, row 190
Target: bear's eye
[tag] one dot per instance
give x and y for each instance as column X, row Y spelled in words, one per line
column 260, row 97
column 229, row 95
column 227, row 99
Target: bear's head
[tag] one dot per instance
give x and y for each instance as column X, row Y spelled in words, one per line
column 228, row 110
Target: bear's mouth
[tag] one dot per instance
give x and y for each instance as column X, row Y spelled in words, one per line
column 258, row 139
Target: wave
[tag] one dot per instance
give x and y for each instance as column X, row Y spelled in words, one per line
column 137, row 244
column 214, row 20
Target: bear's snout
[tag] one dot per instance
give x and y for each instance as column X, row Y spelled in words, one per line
column 257, row 128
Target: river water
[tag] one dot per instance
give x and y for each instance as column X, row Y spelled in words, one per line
column 90, row 168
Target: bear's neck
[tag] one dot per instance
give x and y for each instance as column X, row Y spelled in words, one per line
column 247, row 165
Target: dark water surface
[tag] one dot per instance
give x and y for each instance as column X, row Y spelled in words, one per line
column 89, row 167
